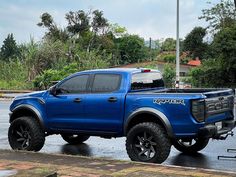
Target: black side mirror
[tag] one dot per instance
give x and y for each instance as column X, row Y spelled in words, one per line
column 53, row 90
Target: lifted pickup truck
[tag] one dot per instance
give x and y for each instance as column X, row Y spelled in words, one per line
column 123, row 102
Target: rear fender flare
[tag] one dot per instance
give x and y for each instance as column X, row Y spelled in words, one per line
column 158, row 115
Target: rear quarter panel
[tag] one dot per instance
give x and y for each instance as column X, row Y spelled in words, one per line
column 176, row 107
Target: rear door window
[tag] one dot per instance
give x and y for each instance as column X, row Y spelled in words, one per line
column 105, row 83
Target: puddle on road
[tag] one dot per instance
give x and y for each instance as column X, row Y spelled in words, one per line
column 5, row 173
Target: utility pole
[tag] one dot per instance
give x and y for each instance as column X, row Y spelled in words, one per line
column 177, row 47
column 150, row 48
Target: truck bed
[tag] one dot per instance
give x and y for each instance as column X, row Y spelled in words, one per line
column 208, row 92
column 216, row 100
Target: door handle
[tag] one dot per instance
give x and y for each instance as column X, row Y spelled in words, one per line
column 77, row 100
column 112, row 99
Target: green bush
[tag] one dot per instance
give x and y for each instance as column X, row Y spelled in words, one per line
column 13, row 75
column 211, row 68
column 47, row 79
column 85, row 61
column 15, row 85
column 169, row 75
column 169, row 58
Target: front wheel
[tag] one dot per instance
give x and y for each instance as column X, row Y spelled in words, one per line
column 148, row 142
column 25, row 133
column 191, row 146
column 74, row 139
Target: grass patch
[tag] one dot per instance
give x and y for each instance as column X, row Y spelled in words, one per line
column 15, row 85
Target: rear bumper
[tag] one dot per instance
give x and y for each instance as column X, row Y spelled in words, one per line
column 211, row 130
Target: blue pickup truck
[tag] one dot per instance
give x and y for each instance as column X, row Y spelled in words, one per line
column 123, row 102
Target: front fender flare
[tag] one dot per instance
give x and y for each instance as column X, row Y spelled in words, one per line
column 158, row 114
column 30, row 108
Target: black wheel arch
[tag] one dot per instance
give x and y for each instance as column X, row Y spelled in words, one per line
column 147, row 114
column 26, row 110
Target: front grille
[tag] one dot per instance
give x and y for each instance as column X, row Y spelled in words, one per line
column 219, row 105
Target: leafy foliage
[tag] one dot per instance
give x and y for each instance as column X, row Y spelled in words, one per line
column 54, row 32
column 47, row 78
column 220, row 71
column 13, row 75
column 168, row 58
column 220, row 15
column 168, row 45
column 131, row 48
column 194, row 42
column 169, row 75
column 86, row 61
column 78, row 22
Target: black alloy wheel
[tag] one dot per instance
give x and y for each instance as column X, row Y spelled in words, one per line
column 25, row 133
column 145, row 146
column 148, row 142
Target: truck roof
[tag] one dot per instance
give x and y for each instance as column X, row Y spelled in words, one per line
column 124, row 70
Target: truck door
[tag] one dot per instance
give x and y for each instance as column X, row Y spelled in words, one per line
column 105, row 104
column 66, row 110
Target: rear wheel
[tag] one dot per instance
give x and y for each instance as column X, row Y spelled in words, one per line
column 74, row 139
column 148, row 142
column 191, row 146
column 25, row 133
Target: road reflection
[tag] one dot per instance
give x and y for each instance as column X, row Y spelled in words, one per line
column 81, row 149
column 196, row 160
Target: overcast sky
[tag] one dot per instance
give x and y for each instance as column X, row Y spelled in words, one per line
column 147, row 18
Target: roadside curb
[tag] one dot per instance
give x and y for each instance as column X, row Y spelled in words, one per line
column 15, row 91
column 68, row 165
column 11, row 94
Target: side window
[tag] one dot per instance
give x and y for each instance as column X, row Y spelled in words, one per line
column 75, row 84
column 106, row 83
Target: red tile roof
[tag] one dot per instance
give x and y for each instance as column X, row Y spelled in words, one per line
column 194, row 62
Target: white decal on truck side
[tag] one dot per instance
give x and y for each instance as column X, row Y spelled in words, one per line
column 168, row 101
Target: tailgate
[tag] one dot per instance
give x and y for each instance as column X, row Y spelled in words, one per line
column 217, row 105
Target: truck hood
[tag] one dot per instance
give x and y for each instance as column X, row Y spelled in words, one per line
column 33, row 94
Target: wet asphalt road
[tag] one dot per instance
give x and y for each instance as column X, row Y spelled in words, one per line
column 115, row 148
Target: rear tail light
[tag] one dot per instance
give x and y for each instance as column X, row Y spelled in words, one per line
column 198, row 110
column 146, row 70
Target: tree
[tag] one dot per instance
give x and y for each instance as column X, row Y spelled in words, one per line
column 194, row 42
column 9, row 48
column 99, row 26
column 220, row 71
column 78, row 22
column 224, row 48
column 221, row 15
column 168, row 45
column 131, row 49
column 99, row 23
column 54, row 32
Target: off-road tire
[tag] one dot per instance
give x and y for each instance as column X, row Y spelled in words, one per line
column 200, row 143
column 31, row 130
column 159, row 141
column 74, row 139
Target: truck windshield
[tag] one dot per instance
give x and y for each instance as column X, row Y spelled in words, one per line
column 147, row 80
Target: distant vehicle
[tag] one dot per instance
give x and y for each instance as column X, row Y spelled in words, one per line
column 123, row 102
